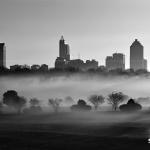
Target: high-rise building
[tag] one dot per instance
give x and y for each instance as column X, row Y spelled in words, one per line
column 137, row 60
column 2, row 55
column 67, row 52
column 64, row 51
column 117, row 61
column 64, row 54
column 64, row 62
column 109, row 63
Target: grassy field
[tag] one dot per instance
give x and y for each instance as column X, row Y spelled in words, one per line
column 74, row 131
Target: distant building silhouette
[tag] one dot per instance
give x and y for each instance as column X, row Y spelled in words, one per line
column 63, row 61
column 137, row 60
column 81, row 65
column 25, row 66
column 109, row 62
column 64, row 50
column 60, row 63
column 91, row 64
column 117, row 61
column 35, row 67
column 44, row 68
column 15, row 67
column 2, row 55
column 76, row 63
column 102, row 68
column 19, row 67
column 64, row 54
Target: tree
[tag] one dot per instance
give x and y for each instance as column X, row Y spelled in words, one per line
column 55, row 103
column 34, row 107
column 34, row 102
column 96, row 100
column 131, row 106
column 115, row 98
column 1, row 107
column 81, row 106
column 12, row 99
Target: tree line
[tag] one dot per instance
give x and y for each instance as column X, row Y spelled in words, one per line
column 115, row 99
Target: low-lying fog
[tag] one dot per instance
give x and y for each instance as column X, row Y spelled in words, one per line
column 76, row 86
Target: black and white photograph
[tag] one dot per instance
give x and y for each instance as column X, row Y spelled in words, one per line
column 74, row 74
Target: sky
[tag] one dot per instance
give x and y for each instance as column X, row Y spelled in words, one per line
column 94, row 29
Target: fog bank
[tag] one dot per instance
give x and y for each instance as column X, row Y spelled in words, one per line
column 75, row 86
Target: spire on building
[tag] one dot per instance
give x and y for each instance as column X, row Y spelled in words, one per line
column 136, row 42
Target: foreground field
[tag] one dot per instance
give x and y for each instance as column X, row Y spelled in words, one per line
column 74, row 131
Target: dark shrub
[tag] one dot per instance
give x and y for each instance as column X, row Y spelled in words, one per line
column 131, row 106
column 81, row 106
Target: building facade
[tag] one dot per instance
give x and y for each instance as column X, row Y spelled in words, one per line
column 117, row 61
column 64, row 50
column 137, row 60
column 109, row 63
column 63, row 61
column 2, row 55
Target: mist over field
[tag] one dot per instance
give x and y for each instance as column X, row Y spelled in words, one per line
column 75, row 86
column 95, row 126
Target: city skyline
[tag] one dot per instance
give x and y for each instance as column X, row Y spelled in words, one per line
column 116, row 61
column 108, row 27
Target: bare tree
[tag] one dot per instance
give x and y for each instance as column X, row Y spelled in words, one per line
column 34, row 102
column 115, row 98
column 96, row 100
column 55, row 103
column 34, row 106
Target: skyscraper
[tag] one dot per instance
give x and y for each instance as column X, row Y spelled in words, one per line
column 117, row 61
column 64, row 51
column 137, row 60
column 2, row 55
column 64, row 54
column 109, row 63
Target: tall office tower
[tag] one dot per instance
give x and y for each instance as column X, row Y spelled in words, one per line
column 67, row 52
column 64, row 51
column 109, row 63
column 119, row 61
column 61, row 47
column 2, row 55
column 136, row 56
